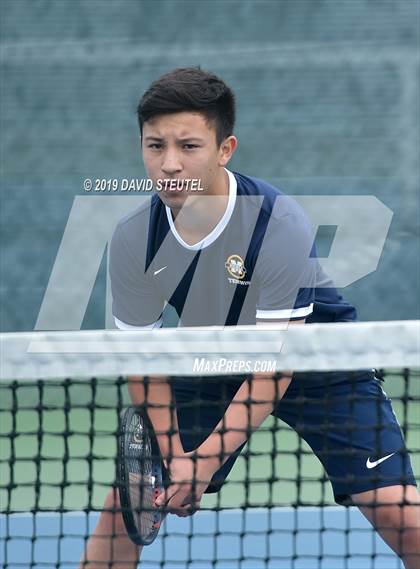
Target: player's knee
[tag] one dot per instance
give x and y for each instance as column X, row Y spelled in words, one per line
column 411, row 541
column 111, row 513
column 408, row 547
column 404, row 523
column 410, row 532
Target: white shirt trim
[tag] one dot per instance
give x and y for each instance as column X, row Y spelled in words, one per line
column 287, row 313
column 214, row 234
column 123, row 326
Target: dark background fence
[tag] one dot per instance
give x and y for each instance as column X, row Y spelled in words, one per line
column 328, row 104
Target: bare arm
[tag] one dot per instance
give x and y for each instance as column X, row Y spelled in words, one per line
column 252, row 404
column 156, row 392
column 191, row 474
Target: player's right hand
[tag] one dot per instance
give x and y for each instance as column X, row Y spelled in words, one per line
column 189, row 479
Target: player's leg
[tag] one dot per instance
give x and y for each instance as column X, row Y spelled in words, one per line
column 352, row 429
column 109, row 544
column 394, row 511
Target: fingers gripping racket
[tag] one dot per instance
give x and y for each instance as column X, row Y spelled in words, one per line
column 141, row 476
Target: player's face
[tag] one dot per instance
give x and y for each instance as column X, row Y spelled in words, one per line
column 183, row 146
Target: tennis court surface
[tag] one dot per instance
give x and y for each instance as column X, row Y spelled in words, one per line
column 280, row 538
column 61, row 394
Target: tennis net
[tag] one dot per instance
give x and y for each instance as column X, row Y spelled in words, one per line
column 62, row 394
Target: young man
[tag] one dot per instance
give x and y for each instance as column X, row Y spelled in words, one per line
column 238, row 251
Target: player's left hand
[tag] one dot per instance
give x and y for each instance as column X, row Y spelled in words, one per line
column 189, row 479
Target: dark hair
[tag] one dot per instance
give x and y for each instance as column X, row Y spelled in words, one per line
column 190, row 89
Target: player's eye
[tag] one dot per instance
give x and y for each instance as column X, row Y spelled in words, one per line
column 190, row 146
column 155, row 145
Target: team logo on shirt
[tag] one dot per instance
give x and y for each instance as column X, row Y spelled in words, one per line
column 236, row 268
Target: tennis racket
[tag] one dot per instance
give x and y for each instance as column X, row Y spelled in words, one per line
column 141, row 476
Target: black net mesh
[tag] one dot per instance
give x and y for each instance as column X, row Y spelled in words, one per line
column 58, row 461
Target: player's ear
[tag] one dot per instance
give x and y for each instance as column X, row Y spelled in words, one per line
column 227, row 148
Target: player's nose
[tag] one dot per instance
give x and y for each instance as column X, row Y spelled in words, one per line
column 171, row 163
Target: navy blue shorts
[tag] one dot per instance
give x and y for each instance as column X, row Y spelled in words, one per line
column 351, row 428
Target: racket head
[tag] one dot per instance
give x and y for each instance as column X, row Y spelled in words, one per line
column 141, row 475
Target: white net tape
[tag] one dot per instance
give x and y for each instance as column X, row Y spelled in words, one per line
column 176, row 351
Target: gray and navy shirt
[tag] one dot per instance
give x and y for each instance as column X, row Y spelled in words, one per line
column 259, row 262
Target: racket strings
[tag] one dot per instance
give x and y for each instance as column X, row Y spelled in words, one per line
column 142, row 482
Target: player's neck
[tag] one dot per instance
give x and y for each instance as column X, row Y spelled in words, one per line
column 201, row 213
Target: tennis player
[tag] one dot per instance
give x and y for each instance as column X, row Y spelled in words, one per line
column 228, row 250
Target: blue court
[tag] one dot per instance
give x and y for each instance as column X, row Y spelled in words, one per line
column 328, row 538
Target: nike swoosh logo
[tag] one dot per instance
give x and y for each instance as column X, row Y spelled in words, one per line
column 160, row 270
column 372, row 464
